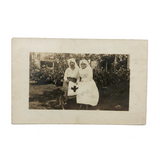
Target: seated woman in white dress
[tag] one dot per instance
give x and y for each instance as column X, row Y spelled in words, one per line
column 88, row 92
column 71, row 74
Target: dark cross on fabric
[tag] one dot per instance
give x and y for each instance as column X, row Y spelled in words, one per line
column 74, row 88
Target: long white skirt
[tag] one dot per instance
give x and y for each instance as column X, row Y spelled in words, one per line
column 87, row 93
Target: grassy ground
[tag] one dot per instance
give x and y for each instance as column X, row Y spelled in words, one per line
column 46, row 97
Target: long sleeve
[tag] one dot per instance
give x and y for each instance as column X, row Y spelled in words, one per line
column 78, row 77
column 65, row 74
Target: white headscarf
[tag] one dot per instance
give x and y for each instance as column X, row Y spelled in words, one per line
column 85, row 62
column 72, row 60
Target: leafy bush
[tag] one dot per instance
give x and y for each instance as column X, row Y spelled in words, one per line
column 41, row 76
column 105, row 78
column 118, row 80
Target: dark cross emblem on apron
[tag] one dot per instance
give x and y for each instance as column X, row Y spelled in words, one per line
column 74, row 88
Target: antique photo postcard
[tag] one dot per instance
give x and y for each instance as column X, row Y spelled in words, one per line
column 79, row 81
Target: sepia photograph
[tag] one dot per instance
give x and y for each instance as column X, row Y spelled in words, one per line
column 79, row 81
column 75, row 81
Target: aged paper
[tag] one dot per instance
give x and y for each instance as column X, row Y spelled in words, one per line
column 138, row 54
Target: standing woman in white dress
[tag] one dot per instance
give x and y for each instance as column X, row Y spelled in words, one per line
column 87, row 92
column 71, row 74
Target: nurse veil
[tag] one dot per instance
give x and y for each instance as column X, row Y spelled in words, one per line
column 74, row 61
column 87, row 93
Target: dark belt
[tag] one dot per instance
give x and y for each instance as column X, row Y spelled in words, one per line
column 74, row 80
